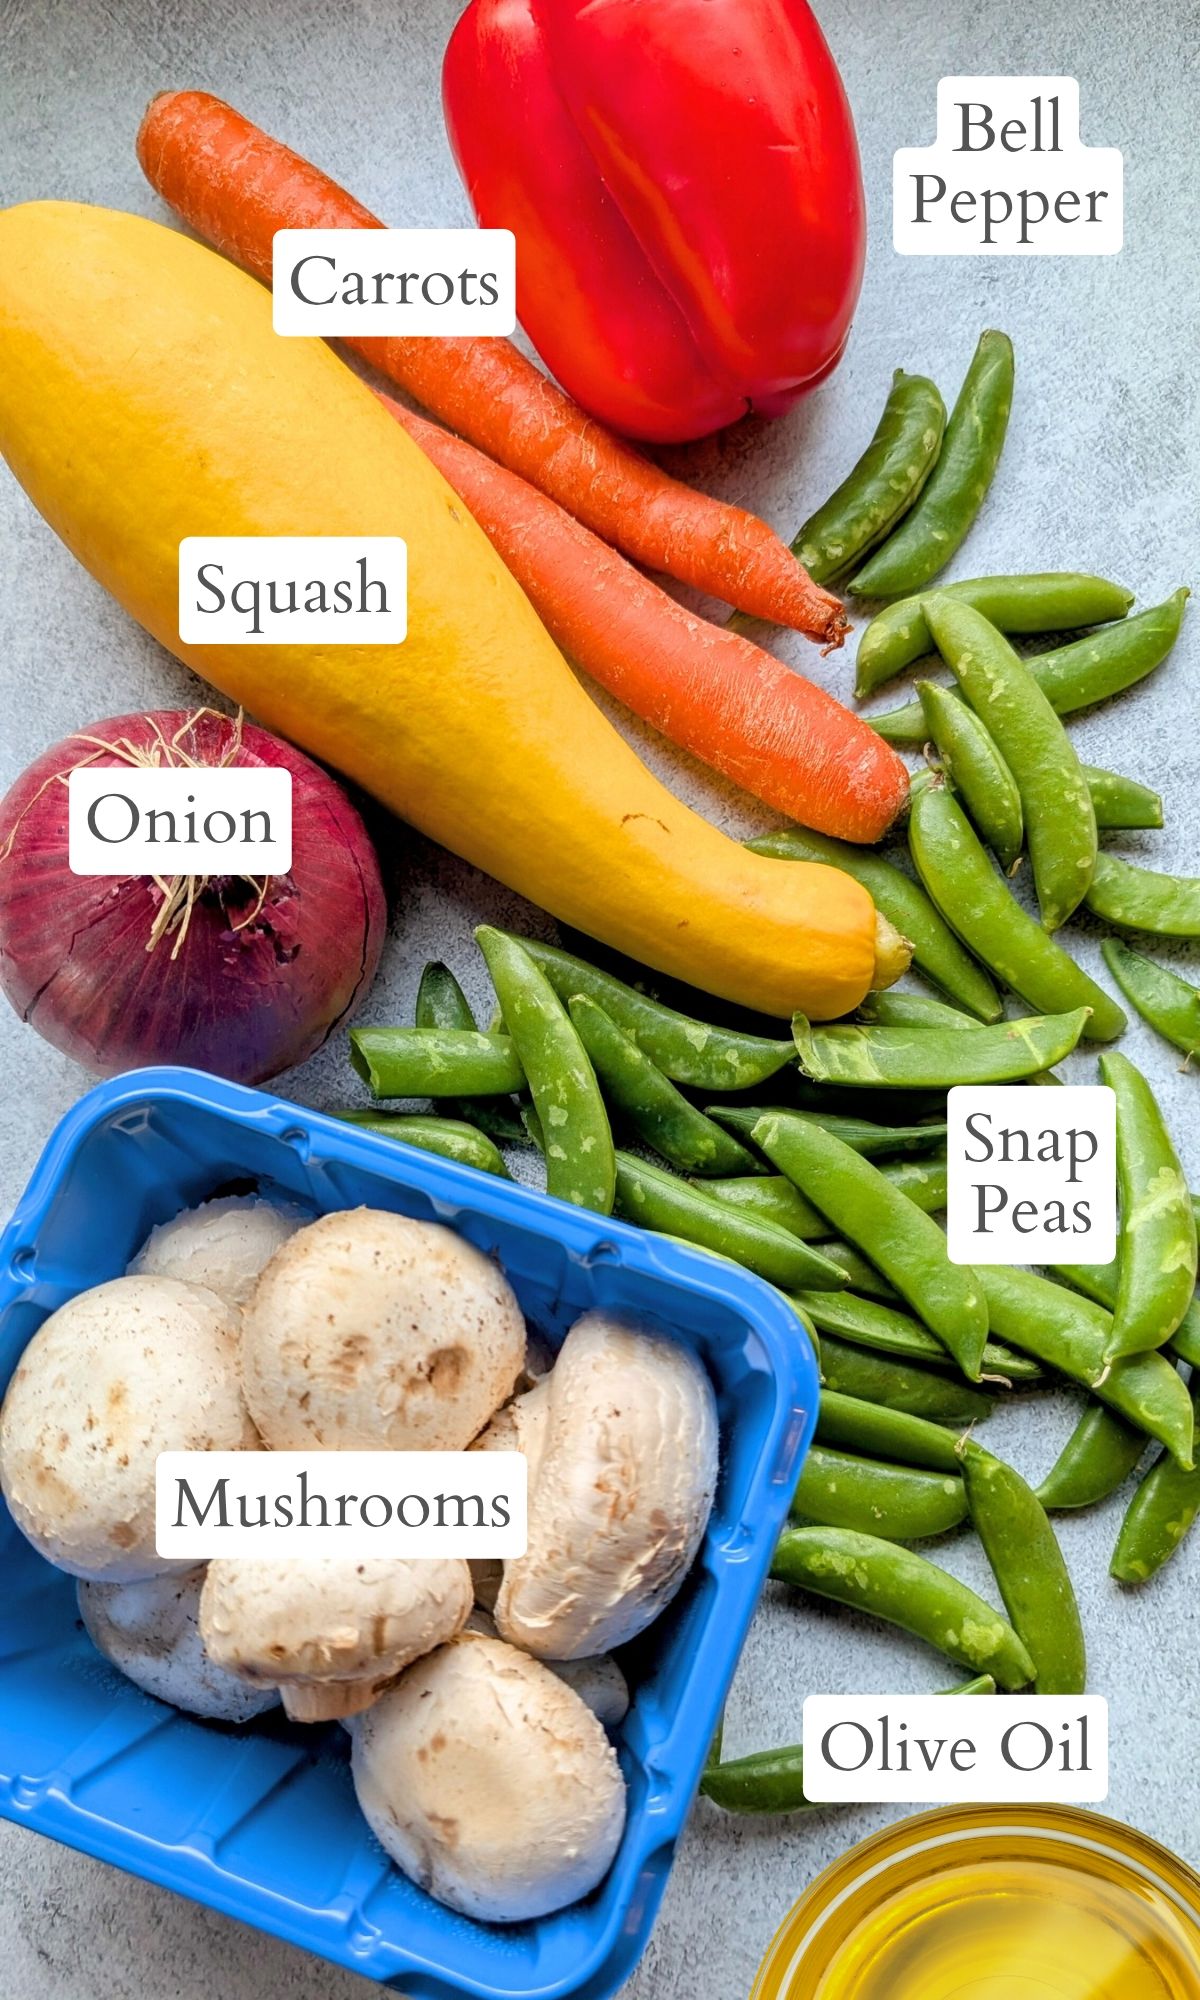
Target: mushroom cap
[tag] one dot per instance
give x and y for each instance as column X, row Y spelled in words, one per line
column 223, row 1244
column 620, row 1490
column 369, row 1331
column 490, row 1783
column 126, row 1370
column 150, row 1630
column 598, row 1680
column 519, row 1426
column 329, row 1618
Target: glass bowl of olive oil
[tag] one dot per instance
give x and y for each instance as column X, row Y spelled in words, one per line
column 994, row 1903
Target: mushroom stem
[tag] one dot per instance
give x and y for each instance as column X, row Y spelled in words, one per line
column 329, row 1701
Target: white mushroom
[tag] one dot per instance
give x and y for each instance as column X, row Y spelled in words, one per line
column 490, row 1783
column 121, row 1373
column 519, row 1426
column 330, row 1632
column 598, row 1681
column 370, row 1331
column 623, row 1468
column 223, row 1244
column 150, row 1631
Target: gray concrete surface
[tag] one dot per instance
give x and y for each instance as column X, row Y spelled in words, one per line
column 1101, row 471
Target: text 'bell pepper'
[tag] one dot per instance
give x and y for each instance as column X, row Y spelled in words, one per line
column 683, row 182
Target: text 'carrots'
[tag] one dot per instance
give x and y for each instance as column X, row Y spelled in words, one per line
column 235, row 186
column 737, row 708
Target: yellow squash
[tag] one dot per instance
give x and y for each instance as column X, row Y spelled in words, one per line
column 144, row 396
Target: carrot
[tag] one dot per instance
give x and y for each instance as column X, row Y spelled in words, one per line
column 738, row 709
column 235, row 186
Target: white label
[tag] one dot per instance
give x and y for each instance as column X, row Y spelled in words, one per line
column 293, row 590
column 1007, row 176
column 933, row 1749
column 1031, row 1174
column 340, row 1503
column 406, row 281
column 171, row 820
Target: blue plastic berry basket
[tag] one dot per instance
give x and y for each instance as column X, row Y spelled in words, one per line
column 261, row 1821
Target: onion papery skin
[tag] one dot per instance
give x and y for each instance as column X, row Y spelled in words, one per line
column 247, row 994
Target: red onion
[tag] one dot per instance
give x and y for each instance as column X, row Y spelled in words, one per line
column 244, row 978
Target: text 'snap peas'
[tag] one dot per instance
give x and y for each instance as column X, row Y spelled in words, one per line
column 993, row 1903
column 260, row 1822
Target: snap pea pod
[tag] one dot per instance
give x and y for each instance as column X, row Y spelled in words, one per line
column 436, row 1062
column 871, row 1140
column 976, row 770
column 933, row 529
column 1059, row 601
column 912, row 1010
column 852, row 1423
column 1098, row 1282
column 1156, row 1242
column 1158, row 1517
column 1099, row 1456
column 692, row 1052
column 973, row 897
column 658, row 1112
column 900, row 1240
column 1139, row 899
column 907, row 1590
column 918, row 1057
column 897, row 1502
column 773, row 1197
column 882, row 486
column 772, row 1781
column 1060, row 819
column 936, row 1395
column 1072, row 677
column 450, row 1137
column 580, row 1166
column 1070, row 1334
column 1122, row 802
column 441, row 1003
column 936, row 951
column 1027, row 1563
column 866, row 1322
column 658, row 1201
column 1161, row 997
column 861, row 1275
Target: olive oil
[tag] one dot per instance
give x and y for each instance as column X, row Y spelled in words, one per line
column 994, row 1903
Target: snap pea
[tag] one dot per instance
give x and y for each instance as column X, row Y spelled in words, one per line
column 1139, row 899
column 900, row 1240
column 907, row 1590
column 918, row 1057
column 882, row 486
column 1070, row 1334
column 972, row 896
column 1060, row 601
column 1156, row 1242
column 866, row 1322
column 1072, row 677
column 933, row 529
column 1161, row 997
column 1122, row 802
column 853, row 1423
column 871, row 1140
column 658, row 1112
column 1060, row 819
column 976, row 770
column 436, row 1062
column 912, row 1010
column 1099, row 1456
column 580, row 1166
column 861, row 1275
column 441, row 1003
column 450, row 1137
column 900, row 1386
column 899, row 1503
column 1027, row 1563
column 1098, row 1282
column 1158, row 1517
column 936, row 951
column 773, row 1197
column 692, row 1052
column 658, row 1201
column 772, row 1781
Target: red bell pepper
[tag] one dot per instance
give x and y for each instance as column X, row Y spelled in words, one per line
column 682, row 178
